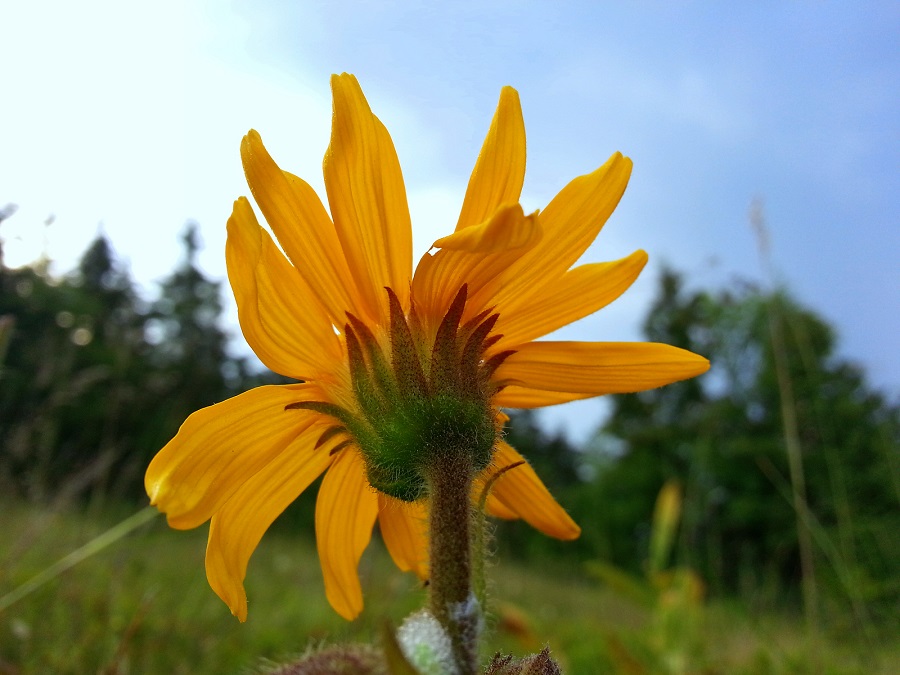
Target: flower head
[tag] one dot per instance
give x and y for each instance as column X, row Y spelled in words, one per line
column 393, row 367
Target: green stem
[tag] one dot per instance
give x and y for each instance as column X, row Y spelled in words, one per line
column 452, row 600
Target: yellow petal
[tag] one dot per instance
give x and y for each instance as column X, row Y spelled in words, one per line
column 522, row 492
column 279, row 314
column 485, row 252
column 345, row 513
column 570, row 223
column 581, row 292
column 514, row 396
column 496, row 508
column 303, row 228
column 491, row 504
column 368, row 198
column 506, row 229
column 220, row 447
column 236, row 529
column 599, row 367
column 500, row 170
column 404, row 528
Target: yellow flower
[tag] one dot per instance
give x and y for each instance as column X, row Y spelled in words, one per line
column 391, row 364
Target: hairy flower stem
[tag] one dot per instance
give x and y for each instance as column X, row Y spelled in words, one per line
column 452, row 600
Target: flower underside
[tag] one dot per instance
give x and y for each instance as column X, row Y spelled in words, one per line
column 389, row 391
column 424, row 400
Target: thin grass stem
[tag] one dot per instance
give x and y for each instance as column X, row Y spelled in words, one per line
column 91, row 548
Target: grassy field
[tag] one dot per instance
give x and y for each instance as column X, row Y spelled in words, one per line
column 143, row 606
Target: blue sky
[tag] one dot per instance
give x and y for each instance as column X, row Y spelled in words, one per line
column 126, row 118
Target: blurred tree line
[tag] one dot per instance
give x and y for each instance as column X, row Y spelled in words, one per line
column 94, row 379
column 722, row 438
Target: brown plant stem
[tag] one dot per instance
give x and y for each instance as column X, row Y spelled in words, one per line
column 450, row 519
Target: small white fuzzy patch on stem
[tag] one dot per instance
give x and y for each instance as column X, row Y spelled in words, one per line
column 427, row 645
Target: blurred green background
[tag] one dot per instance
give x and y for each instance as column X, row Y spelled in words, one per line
column 745, row 565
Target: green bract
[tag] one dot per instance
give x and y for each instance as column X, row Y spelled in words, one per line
column 417, row 405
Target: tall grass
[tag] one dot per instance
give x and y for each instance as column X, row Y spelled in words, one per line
column 143, row 606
